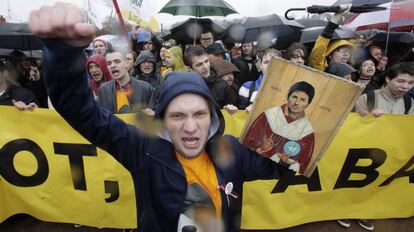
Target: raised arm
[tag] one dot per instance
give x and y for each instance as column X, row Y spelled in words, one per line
column 65, row 35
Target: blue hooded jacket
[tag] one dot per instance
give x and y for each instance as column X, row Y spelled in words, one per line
column 159, row 179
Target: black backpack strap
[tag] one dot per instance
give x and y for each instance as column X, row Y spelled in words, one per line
column 370, row 100
column 407, row 103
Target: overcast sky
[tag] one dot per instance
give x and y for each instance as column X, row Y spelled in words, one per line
column 19, row 9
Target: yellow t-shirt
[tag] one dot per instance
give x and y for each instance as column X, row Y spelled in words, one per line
column 122, row 98
column 200, row 171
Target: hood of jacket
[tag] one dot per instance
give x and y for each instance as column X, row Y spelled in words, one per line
column 145, row 56
column 177, row 83
column 100, row 61
column 336, row 44
column 177, row 54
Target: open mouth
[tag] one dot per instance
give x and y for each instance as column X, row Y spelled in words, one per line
column 402, row 92
column 114, row 72
column 191, row 142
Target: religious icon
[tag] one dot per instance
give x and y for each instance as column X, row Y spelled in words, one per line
column 296, row 114
column 283, row 132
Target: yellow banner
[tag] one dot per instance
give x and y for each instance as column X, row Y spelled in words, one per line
column 49, row 171
column 38, row 178
column 367, row 172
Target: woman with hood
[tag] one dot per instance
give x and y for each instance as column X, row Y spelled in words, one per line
column 326, row 51
column 174, row 60
column 98, row 72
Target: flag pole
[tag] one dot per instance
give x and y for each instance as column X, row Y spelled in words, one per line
column 389, row 28
column 124, row 29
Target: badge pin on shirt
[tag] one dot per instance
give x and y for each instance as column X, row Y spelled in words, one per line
column 228, row 190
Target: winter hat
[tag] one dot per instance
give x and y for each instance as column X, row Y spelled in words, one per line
column 224, row 67
column 177, row 83
column 340, row 69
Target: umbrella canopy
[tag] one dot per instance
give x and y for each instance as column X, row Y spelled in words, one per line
column 399, row 16
column 312, row 22
column 269, row 29
column 399, row 38
column 198, row 8
column 18, row 36
column 397, row 45
column 185, row 32
column 309, row 35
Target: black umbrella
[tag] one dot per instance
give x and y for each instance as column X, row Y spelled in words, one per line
column 185, row 32
column 401, row 38
column 198, row 8
column 397, row 45
column 265, row 29
column 317, row 9
column 369, row 33
column 309, row 35
column 18, row 36
column 312, row 22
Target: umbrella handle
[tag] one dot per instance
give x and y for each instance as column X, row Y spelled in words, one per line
column 293, row 9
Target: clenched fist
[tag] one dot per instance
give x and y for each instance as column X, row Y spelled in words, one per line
column 61, row 21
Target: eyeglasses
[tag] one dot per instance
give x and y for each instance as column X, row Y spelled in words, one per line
column 205, row 39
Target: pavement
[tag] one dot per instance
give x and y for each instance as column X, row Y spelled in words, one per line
column 25, row 223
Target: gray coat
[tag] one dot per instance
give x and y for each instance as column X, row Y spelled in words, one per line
column 142, row 93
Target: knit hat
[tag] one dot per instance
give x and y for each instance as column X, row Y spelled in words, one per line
column 177, row 83
column 224, row 67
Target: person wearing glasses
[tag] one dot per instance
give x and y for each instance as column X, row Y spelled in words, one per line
column 206, row 39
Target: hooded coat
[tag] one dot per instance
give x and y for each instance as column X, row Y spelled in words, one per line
column 159, row 179
column 154, row 79
column 100, row 61
column 324, row 47
column 177, row 55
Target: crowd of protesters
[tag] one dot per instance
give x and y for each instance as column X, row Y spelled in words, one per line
column 122, row 79
column 232, row 77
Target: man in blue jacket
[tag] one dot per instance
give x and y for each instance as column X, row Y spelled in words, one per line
column 180, row 176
